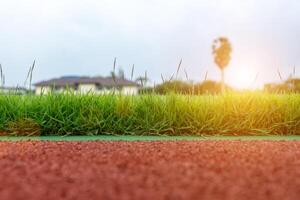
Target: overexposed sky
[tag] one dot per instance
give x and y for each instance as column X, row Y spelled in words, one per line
column 72, row 37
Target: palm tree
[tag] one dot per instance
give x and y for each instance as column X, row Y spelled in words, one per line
column 221, row 50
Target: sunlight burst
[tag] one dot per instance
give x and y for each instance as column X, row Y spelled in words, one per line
column 242, row 78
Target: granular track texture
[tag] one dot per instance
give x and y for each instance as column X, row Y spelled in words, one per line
column 150, row 170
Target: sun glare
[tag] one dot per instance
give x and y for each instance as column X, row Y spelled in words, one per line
column 242, row 78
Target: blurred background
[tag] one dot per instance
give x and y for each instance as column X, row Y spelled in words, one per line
column 73, row 37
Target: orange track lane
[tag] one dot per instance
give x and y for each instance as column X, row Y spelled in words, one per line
column 150, row 170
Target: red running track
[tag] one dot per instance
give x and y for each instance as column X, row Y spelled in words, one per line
column 150, row 170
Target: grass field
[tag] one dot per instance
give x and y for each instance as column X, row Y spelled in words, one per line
column 229, row 114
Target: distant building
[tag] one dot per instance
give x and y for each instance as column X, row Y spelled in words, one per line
column 83, row 85
column 13, row 90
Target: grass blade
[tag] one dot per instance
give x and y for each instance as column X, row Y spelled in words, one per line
column 1, row 76
column 114, row 72
column 186, row 75
column 162, row 78
column 279, row 74
column 31, row 71
column 206, row 74
column 132, row 71
column 178, row 68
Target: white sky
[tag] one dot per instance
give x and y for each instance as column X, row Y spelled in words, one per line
column 72, row 37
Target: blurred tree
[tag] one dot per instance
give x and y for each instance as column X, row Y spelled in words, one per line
column 221, row 51
column 183, row 87
column 210, row 87
column 293, row 84
column 175, row 86
column 276, row 88
column 290, row 85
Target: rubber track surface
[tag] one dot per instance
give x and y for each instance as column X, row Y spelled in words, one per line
column 150, row 170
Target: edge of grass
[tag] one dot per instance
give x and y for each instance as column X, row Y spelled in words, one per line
column 146, row 138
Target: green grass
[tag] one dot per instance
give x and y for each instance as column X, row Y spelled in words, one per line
column 146, row 138
column 230, row 114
